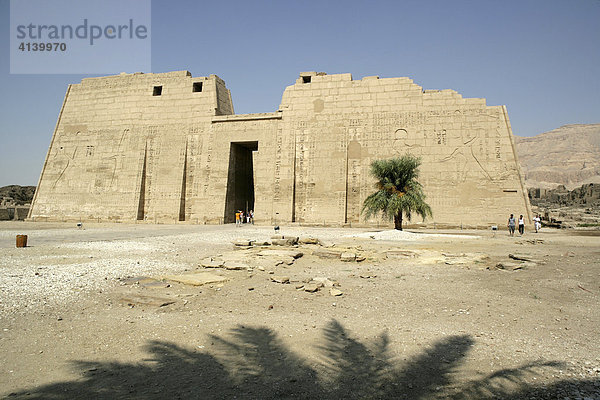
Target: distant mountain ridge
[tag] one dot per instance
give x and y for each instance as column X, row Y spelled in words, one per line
column 569, row 156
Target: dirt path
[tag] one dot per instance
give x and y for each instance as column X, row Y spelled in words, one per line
column 83, row 315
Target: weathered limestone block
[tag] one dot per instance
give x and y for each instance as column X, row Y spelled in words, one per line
column 167, row 147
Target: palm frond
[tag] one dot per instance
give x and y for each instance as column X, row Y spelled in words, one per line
column 398, row 189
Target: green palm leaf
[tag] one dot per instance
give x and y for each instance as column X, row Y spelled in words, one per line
column 398, row 191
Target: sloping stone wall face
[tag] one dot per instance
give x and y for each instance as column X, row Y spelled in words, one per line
column 122, row 152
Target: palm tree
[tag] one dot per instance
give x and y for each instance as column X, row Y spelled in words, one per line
column 398, row 192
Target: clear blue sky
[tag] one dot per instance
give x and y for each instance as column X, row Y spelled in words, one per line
column 540, row 58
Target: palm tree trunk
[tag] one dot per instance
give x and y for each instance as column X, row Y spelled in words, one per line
column 398, row 221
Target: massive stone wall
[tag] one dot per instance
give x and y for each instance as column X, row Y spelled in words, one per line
column 123, row 152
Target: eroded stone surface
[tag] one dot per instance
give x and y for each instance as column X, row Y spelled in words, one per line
column 123, row 151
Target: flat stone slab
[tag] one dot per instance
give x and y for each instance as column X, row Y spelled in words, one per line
column 235, row 265
column 281, row 253
column 311, row 287
column 348, row 257
column 288, row 241
column 211, row 263
column 242, row 242
column 400, row 254
column 280, row 279
column 329, row 254
column 197, row 279
column 309, row 240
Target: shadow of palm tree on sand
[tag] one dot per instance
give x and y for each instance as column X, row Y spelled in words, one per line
column 253, row 363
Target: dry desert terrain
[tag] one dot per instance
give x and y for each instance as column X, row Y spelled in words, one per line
column 180, row 312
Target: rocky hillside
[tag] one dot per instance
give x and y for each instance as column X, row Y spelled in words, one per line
column 15, row 194
column 569, row 156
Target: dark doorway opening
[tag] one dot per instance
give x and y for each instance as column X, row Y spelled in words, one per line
column 240, row 179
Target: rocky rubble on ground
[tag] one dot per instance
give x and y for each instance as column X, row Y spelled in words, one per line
column 276, row 257
column 78, row 268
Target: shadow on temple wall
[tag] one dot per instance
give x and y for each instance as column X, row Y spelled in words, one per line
column 253, row 363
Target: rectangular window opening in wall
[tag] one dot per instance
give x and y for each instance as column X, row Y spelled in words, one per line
column 510, row 190
column 197, row 87
column 157, row 91
column 306, row 79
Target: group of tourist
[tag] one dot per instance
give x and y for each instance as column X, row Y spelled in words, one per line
column 537, row 223
column 244, row 218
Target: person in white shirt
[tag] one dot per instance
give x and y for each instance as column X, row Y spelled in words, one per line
column 521, row 225
column 537, row 223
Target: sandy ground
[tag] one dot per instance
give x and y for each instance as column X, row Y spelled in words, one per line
column 87, row 313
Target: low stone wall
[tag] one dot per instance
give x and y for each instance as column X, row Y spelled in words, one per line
column 13, row 213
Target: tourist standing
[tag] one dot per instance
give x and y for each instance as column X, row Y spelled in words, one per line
column 521, row 225
column 237, row 218
column 537, row 223
column 251, row 215
column 511, row 225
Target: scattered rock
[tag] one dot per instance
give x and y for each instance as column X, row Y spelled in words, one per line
column 280, row 279
column 243, row 243
column 360, row 258
column 348, row 257
column 510, row 266
column 286, row 241
column 261, row 243
column 309, row 240
column 311, row 287
column 535, row 241
column 455, row 262
column 522, row 257
column 211, row 263
column 289, row 260
column 133, row 300
column 324, row 281
column 260, row 268
column 198, row 279
column 335, row 292
column 367, row 276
